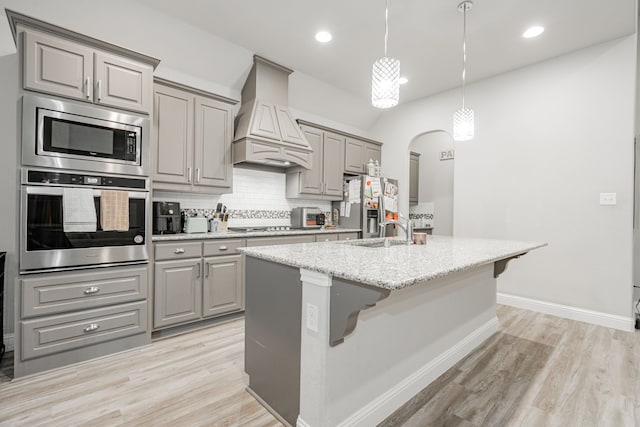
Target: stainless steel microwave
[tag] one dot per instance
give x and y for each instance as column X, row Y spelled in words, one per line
column 68, row 135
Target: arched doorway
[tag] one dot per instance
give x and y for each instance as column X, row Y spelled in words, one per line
column 432, row 204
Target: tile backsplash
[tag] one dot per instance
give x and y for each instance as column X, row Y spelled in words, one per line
column 258, row 199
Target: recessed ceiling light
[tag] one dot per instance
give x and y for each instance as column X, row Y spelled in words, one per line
column 323, row 36
column 533, row 32
column 403, row 80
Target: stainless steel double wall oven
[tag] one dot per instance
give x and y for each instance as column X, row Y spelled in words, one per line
column 66, row 144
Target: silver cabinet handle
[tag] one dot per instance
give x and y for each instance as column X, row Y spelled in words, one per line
column 197, row 174
column 87, row 88
column 223, row 248
column 99, row 90
column 179, row 251
column 188, row 174
column 92, row 327
column 206, row 269
column 198, row 270
column 92, row 290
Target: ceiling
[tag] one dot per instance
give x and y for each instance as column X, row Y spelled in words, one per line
column 425, row 35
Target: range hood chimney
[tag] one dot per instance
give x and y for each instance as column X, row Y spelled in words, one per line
column 265, row 131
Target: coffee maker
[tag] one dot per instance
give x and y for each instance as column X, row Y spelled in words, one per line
column 166, row 218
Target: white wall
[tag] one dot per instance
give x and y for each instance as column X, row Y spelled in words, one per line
column 549, row 138
column 436, row 178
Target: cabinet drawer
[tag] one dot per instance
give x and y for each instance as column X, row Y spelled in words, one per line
column 178, row 250
column 326, row 237
column 222, row 247
column 267, row 241
column 348, row 236
column 55, row 334
column 58, row 293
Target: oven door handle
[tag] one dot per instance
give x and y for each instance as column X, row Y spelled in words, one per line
column 58, row 191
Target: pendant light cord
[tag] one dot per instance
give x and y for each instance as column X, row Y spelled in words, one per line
column 386, row 27
column 464, row 49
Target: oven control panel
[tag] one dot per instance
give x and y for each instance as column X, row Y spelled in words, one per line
column 63, row 178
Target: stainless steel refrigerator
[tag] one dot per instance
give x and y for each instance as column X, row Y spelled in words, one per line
column 368, row 200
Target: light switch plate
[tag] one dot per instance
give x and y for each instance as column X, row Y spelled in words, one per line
column 607, row 199
column 312, row 317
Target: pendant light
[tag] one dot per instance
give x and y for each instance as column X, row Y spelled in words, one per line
column 463, row 122
column 385, row 81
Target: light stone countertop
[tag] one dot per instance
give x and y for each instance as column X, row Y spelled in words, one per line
column 240, row 234
column 395, row 267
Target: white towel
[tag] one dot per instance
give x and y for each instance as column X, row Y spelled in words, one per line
column 78, row 210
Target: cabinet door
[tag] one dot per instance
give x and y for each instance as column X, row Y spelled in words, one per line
column 333, row 161
column 223, row 286
column 213, row 136
column 373, row 152
column 122, row 83
column 177, row 292
column 414, row 177
column 172, row 136
column 311, row 180
column 57, row 66
column 353, row 156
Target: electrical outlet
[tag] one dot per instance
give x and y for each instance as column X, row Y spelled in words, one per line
column 607, row 199
column 312, row 317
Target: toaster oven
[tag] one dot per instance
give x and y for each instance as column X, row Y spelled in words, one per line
column 307, row 218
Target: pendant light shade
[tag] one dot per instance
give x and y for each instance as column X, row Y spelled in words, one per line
column 385, row 78
column 385, row 83
column 463, row 119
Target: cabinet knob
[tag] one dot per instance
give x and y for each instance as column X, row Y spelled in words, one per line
column 179, row 251
column 92, row 290
column 92, row 327
column 223, row 248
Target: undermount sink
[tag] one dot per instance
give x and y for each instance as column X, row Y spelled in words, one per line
column 378, row 243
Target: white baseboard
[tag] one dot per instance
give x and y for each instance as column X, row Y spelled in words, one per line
column 383, row 406
column 9, row 340
column 568, row 312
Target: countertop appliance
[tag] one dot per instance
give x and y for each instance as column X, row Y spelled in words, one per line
column 307, row 218
column 64, row 134
column 45, row 246
column 195, row 224
column 367, row 201
column 166, row 218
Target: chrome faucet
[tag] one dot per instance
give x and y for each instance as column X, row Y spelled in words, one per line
column 407, row 227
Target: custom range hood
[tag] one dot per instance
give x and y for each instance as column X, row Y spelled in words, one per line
column 265, row 131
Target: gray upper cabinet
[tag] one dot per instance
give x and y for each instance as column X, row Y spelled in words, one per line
column 172, row 136
column 353, row 155
column 191, row 141
column 324, row 179
column 414, row 177
column 58, row 66
column 63, row 67
column 213, row 136
column 357, row 153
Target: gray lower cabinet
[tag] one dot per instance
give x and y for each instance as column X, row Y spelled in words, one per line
column 222, row 291
column 177, row 292
column 197, row 280
column 74, row 316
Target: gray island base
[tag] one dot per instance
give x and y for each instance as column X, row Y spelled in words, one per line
column 339, row 334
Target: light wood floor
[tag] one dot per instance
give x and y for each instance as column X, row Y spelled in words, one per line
column 537, row 371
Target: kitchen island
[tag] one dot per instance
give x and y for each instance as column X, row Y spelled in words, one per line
column 344, row 333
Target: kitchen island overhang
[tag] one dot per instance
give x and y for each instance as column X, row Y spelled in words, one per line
column 318, row 354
